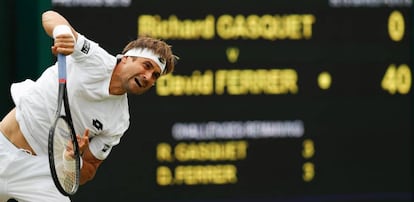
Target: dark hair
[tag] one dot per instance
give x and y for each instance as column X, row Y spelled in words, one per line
column 158, row 46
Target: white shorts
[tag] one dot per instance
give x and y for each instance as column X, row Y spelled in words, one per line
column 25, row 177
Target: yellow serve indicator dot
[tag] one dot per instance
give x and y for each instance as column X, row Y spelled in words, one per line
column 324, row 80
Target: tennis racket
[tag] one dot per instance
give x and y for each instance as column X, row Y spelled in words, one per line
column 63, row 149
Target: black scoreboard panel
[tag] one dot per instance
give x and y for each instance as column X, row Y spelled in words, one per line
column 270, row 101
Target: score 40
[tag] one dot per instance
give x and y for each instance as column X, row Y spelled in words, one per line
column 397, row 79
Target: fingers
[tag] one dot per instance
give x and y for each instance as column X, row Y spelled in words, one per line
column 83, row 141
column 69, row 153
column 64, row 44
column 86, row 133
column 69, row 146
column 84, row 138
column 53, row 49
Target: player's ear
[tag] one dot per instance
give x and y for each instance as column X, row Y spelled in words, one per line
column 124, row 59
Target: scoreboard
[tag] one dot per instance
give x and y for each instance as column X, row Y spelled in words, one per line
column 270, row 101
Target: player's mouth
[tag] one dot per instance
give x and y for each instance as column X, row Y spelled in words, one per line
column 138, row 83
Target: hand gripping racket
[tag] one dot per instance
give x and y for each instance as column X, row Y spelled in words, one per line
column 63, row 149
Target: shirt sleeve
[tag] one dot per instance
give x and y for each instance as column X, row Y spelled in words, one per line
column 83, row 47
column 19, row 89
column 102, row 145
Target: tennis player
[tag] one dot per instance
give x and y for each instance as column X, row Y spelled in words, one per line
column 98, row 85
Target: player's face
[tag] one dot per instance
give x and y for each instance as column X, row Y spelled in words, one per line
column 139, row 74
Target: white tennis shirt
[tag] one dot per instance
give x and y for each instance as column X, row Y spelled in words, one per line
column 89, row 70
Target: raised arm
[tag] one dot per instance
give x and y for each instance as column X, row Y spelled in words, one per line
column 50, row 19
column 65, row 39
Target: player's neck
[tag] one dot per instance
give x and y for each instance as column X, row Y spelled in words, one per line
column 115, row 85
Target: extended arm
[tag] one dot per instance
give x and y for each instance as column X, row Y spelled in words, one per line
column 90, row 162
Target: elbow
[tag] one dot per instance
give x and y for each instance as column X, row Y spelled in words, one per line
column 48, row 15
column 50, row 19
column 47, row 19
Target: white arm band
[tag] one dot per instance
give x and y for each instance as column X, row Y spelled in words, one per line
column 62, row 29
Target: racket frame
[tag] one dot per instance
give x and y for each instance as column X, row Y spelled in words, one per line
column 63, row 99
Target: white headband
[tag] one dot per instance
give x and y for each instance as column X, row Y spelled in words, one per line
column 146, row 53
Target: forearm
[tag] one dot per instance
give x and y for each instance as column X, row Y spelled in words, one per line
column 50, row 19
column 88, row 172
column 89, row 167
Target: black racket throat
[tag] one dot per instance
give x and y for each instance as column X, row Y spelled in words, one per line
column 67, row 117
column 67, row 109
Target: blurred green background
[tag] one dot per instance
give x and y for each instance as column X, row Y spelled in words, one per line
column 24, row 46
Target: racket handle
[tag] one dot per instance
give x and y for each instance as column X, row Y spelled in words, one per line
column 61, row 59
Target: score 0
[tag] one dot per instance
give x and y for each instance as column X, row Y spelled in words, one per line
column 396, row 78
column 396, row 26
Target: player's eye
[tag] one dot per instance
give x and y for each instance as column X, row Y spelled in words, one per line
column 147, row 65
column 156, row 75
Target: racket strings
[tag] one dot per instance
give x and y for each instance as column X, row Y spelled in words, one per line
column 68, row 181
column 66, row 169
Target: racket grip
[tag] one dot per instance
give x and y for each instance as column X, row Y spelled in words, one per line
column 61, row 59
